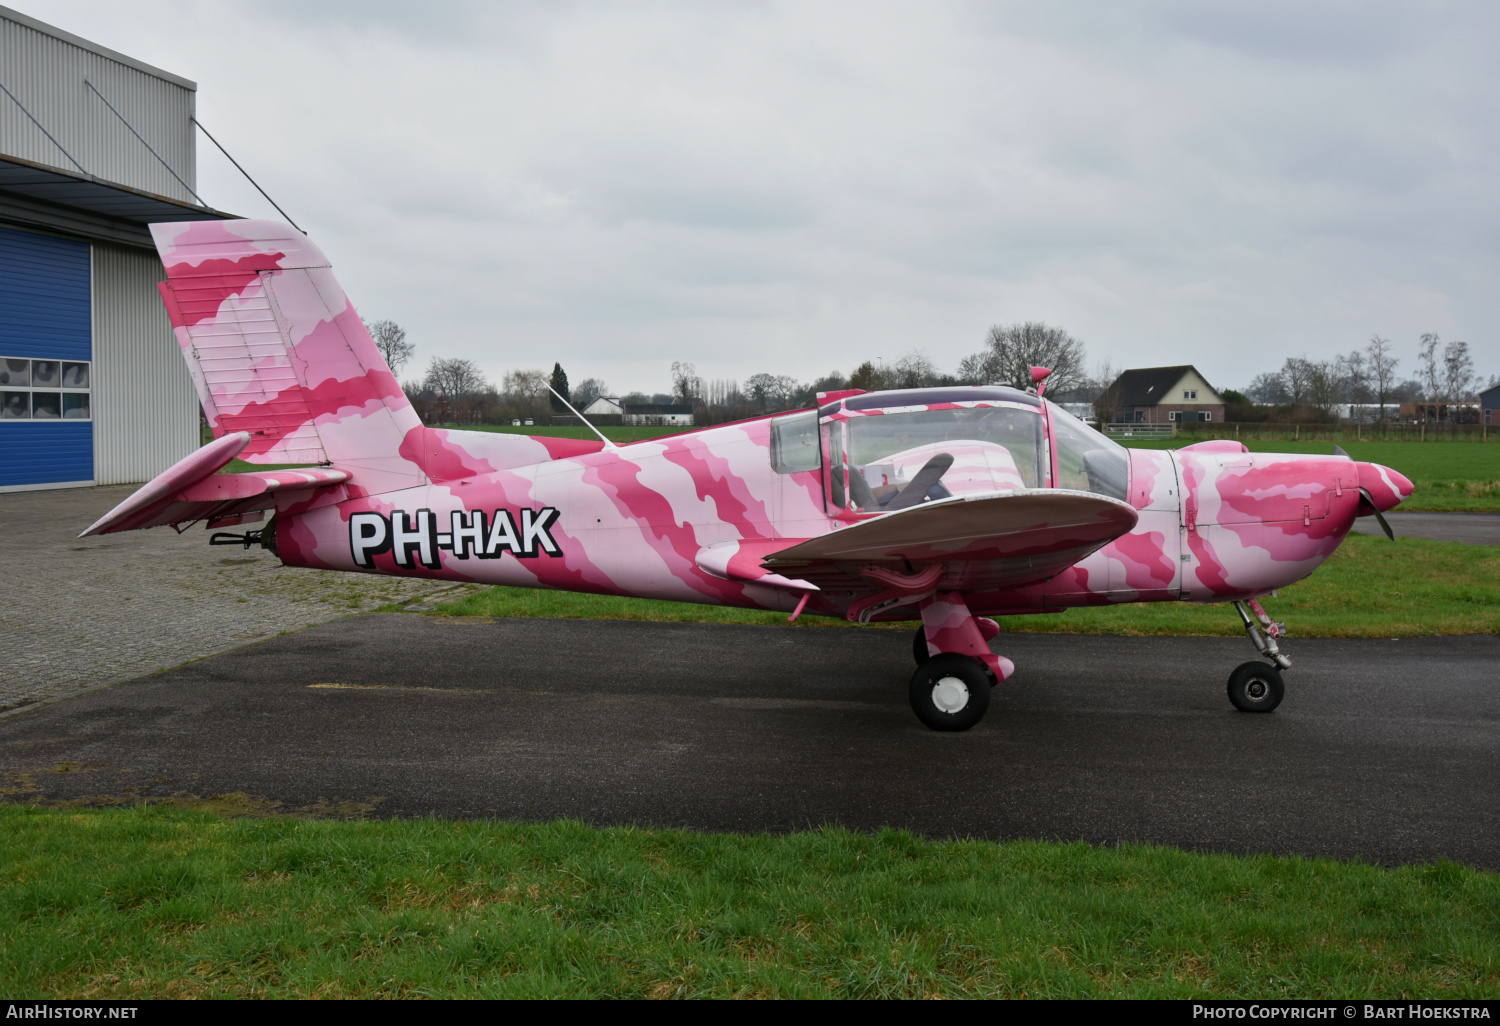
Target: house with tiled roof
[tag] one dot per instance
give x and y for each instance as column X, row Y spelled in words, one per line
column 1161, row 395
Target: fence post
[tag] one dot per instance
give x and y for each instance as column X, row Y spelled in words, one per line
column 1297, row 437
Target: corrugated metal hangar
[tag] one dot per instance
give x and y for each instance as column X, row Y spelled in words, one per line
column 94, row 146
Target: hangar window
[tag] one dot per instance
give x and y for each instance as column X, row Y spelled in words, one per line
column 45, row 389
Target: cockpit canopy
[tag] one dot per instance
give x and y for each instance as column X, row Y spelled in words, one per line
column 886, row 451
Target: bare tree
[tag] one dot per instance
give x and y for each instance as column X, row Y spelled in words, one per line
column 1267, row 388
column 771, row 391
column 1458, row 372
column 1325, row 385
column 1355, row 375
column 686, row 385
column 1104, row 375
column 1382, row 367
column 460, row 386
column 390, row 339
column 587, row 390
column 1012, row 350
column 1295, row 379
column 723, row 393
column 526, row 385
column 913, row 370
column 454, row 379
column 1427, row 365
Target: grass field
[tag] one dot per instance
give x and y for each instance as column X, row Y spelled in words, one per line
column 1370, row 588
column 159, row 902
column 1450, row 477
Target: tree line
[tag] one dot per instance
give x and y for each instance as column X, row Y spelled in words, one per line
column 453, row 390
column 1444, row 373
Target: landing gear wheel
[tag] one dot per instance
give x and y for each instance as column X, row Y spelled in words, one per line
column 1256, row 687
column 919, row 647
column 950, row 692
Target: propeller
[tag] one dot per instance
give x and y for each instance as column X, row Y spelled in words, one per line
column 1369, row 500
column 917, row 488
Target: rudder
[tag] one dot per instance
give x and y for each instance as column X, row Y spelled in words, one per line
column 276, row 350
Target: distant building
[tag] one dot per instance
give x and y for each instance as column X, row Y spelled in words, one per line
column 1489, row 403
column 1467, row 412
column 658, row 415
column 604, row 406
column 636, row 414
column 1162, row 395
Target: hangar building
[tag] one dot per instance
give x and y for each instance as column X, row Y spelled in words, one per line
column 94, row 145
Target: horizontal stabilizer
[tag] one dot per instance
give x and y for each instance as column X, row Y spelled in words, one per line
column 192, row 489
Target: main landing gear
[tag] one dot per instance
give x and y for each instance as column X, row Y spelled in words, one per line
column 955, row 667
column 1257, row 687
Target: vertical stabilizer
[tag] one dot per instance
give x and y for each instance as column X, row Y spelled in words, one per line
column 277, row 351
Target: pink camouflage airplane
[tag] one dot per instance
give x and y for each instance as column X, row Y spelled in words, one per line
column 955, row 505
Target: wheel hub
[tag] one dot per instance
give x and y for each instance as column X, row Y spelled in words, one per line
column 950, row 695
column 1257, row 690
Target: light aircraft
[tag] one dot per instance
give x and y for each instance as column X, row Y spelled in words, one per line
column 955, row 505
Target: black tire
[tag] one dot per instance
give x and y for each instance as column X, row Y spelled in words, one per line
column 1256, row 687
column 950, row 692
column 919, row 647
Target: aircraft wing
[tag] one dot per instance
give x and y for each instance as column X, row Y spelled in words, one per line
column 192, row 490
column 1000, row 539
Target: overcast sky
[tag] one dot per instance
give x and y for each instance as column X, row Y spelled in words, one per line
column 798, row 187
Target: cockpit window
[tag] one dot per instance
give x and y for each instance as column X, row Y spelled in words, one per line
column 897, row 460
column 1086, row 460
column 794, row 443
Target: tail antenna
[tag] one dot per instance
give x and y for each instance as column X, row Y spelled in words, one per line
column 607, row 443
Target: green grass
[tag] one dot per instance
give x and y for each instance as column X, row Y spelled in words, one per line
column 131, row 903
column 1369, row 588
column 1450, row 477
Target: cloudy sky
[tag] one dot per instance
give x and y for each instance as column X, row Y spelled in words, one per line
column 796, row 187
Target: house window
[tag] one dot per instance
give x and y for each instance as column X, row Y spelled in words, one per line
column 1190, row 393
column 45, row 389
column 1173, row 414
column 1208, row 414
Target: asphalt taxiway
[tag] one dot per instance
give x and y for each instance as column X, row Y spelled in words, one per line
column 1384, row 750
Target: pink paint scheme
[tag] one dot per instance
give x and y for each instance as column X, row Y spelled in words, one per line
column 944, row 503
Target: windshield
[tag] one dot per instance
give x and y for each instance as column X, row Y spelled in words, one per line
column 897, row 460
column 1086, row 460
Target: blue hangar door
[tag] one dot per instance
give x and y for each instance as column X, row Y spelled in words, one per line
column 46, row 361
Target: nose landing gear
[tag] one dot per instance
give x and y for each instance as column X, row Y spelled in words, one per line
column 1257, row 687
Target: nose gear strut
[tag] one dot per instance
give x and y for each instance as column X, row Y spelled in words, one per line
column 1263, row 632
column 1257, row 687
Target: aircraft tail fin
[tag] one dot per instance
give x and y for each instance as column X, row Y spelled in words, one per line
column 276, row 350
